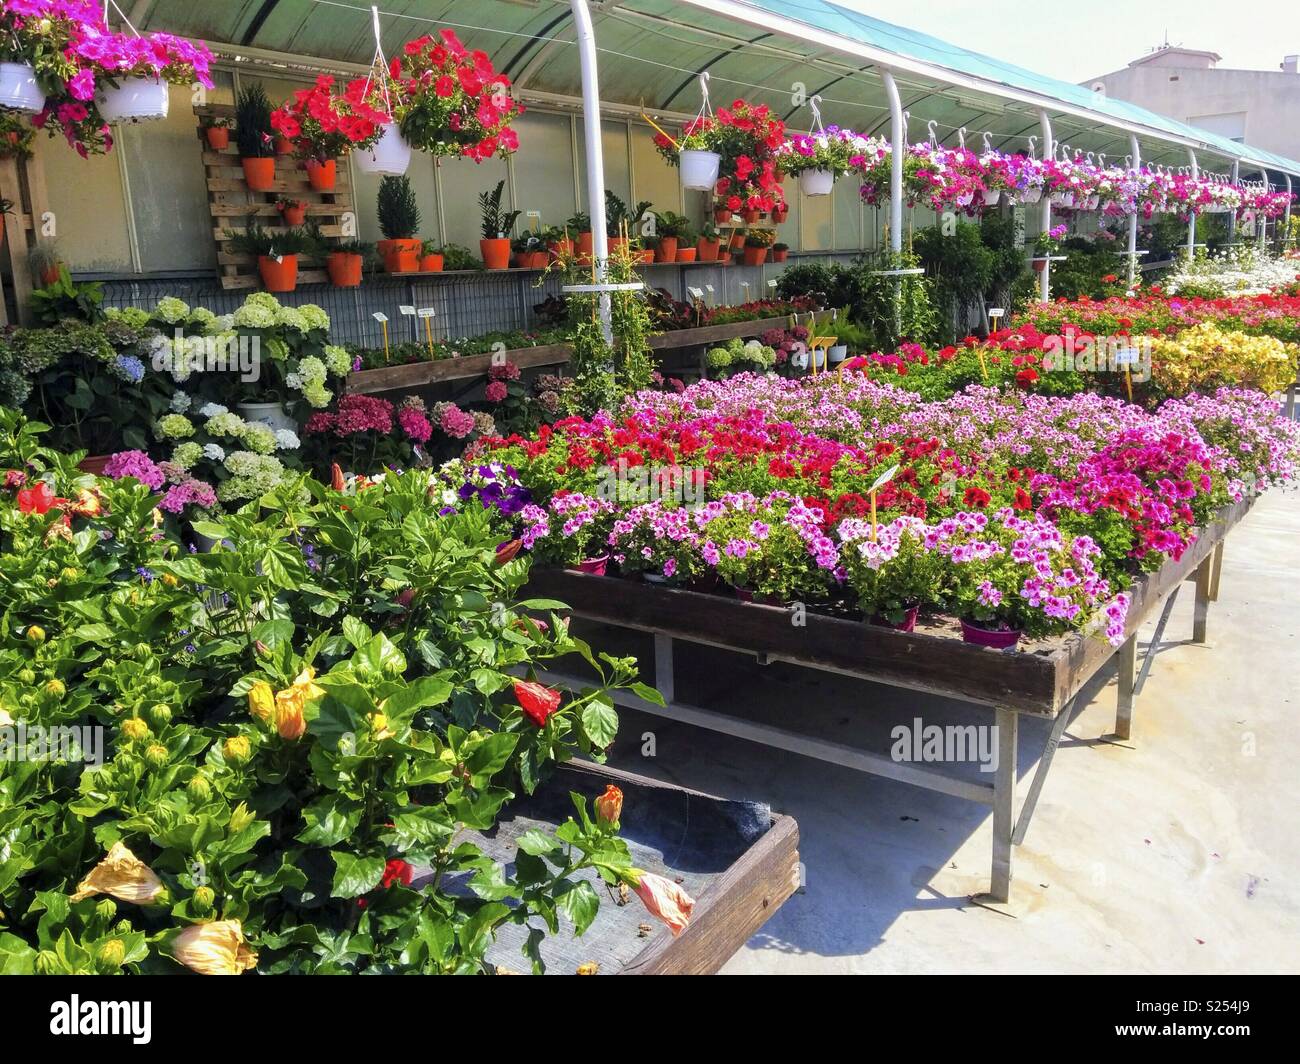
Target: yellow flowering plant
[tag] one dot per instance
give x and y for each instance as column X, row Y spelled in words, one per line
column 1205, row 357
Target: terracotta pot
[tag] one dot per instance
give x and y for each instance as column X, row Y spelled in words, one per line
column 1002, row 639
column 780, row 215
column 322, row 175
column 283, row 146
column 647, row 256
column 431, row 263
column 685, row 255
column 667, row 249
column 259, row 174
column 755, row 256
column 94, row 464
column 294, row 215
column 721, row 216
column 400, row 260
column 615, row 244
column 496, row 253
column 584, row 243
column 594, row 566
column 383, row 248
column 561, row 249
column 780, row 256
column 520, row 260
column 218, row 137
column 750, row 217
column 707, row 250
column 1039, row 265
column 737, row 241
column 344, row 269
column 279, row 276
column 724, row 258
column 49, row 276
column 540, row 260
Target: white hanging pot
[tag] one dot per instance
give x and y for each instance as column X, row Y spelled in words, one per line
column 699, row 169
column 1031, row 195
column 134, row 100
column 816, row 182
column 18, row 88
column 839, row 352
column 1092, row 203
column 390, row 155
column 272, row 415
column 991, row 197
column 965, row 199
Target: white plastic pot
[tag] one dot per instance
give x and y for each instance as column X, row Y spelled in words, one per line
column 134, row 100
column 816, row 182
column 18, row 88
column 699, row 169
column 270, row 414
column 1031, row 195
column 839, row 352
column 799, row 358
column 390, row 155
column 991, row 197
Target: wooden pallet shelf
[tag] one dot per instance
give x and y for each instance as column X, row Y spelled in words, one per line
column 231, row 203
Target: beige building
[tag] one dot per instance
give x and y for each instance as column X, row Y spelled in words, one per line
column 1256, row 107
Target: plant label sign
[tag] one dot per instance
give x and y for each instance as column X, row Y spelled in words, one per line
column 407, row 309
column 696, row 293
column 380, row 317
column 883, row 479
column 426, row 312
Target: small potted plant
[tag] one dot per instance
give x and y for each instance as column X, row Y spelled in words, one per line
column 524, row 247
column 292, row 211
column 344, row 262
column 622, row 223
column 496, row 227
column 737, row 241
column 399, row 221
column 722, row 214
column 217, row 132
column 276, row 254
column 431, row 258
column 780, row 252
column 323, row 126
column 686, row 244
column 253, row 134
column 707, row 244
column 580, row 227
column 669, row 227
column 890, row 569
column 558, row 243
column 1047, row 245
column 45, row 262
column 757, row 241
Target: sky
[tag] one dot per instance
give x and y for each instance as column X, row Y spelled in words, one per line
column 1075, row 42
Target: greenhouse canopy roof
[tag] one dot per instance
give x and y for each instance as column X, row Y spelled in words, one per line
column 772, row 51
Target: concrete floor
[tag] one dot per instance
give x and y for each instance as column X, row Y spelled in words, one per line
column 1178, row 852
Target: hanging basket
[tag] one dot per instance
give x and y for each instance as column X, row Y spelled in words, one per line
column 991, row 197
column 816, row 182
column 134, row 100
column 699, row 169
column 390, row 155
column 18, row 88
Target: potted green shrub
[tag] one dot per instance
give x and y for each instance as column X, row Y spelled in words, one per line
column 253, row 135
column 344, row 262
column 780, row 252
column 670, row 227
column 622, row 221
column 276, row 253
column 579, row 227
column 399, row 221
column 706, row 246
column 497, row 224
column 757, row 241
column 431, row 259
column 45, row 262
column 217, row 133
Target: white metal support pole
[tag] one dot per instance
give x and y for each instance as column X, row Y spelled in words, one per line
column 1232, row 217
column 1049, row 152
column 595, row 156
column 898, row 142
column 1286, row 215
column 1191, row 223
column 1136, row 152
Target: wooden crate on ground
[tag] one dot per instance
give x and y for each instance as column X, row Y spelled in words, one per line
column 232, row 203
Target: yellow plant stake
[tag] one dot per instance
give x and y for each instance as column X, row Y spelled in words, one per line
column 661, row 130
column 428, row 333
column 382, row 318
column 984, row 369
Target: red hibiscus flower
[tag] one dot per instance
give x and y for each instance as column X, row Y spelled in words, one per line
column 397, row 871
column 538, row 703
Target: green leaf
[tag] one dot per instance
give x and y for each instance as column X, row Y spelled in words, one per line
column 536, row 842
column 600, row 721
column 647, row 693
column 355, row 875
column 330, row 820
column 579, row 903
column 421, row 693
